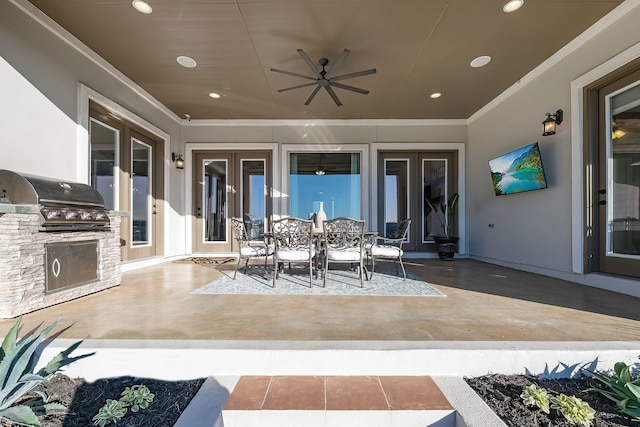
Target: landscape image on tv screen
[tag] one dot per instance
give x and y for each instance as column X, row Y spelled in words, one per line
column 518, row 171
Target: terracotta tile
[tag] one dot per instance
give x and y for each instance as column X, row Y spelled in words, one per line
column 296, row 392
column 248, row 394
column 413, row 393
column 355, row 393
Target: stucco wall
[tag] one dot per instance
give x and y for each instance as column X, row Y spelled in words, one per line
column 534, row 228
column 40, row 77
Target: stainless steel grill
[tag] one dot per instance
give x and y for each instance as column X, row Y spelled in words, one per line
column 64, row 206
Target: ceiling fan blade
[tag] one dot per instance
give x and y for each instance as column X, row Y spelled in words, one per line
column 351, row 88
column 294, row 74
column 333, row 95
column 352, row 75
column 339, row 60
column 309, row 63
column 313, row 94
column 296, row 87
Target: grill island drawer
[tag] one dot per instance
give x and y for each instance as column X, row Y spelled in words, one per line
column 70, row 264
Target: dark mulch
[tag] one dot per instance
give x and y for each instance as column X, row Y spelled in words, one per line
column 502, row 394
column 84, row 400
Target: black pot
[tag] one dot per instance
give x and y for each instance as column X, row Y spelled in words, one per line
column 447, row 247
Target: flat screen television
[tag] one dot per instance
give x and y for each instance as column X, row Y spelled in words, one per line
column 518, row 171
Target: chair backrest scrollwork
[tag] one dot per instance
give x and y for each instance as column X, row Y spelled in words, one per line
column 292, row 233
column 344, row 233
column 238, row 229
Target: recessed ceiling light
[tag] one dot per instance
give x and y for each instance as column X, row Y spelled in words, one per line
column 435, row 95
column 480, row 61
column 185, row 61
column 214, row 95
column 142, row 6
column 512, row 6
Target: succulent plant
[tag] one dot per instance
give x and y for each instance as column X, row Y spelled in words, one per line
column 538, row 397
column 137, row 397
column 17, row 377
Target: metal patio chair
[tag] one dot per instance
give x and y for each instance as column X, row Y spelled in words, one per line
column 293, row 243
column 389, row 247
column 248, row 248
column 343, row 242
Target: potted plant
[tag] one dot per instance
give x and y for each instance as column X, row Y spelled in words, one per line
column 447, row 244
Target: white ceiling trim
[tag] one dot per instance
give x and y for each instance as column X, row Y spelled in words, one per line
column 328, row 122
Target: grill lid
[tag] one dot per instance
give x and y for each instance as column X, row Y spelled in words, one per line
column 63, row 205
column 22, row 189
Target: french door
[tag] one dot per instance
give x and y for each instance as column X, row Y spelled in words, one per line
column 406, row 179
column 126, row 169
column 227, row 185
column 618, row 198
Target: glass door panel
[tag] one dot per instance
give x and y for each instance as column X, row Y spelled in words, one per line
column 396, row 194
column 434, row 177
column 620, row 182
column 141, row 197
column 105, row 162
column 254, row 195
column 214, row 198
column 331, row 178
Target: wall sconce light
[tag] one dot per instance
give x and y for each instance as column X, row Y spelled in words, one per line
column 178, row 160
column 618, row 133
column 549, row 124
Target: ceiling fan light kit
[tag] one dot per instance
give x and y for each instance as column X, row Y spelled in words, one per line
column 323, row 78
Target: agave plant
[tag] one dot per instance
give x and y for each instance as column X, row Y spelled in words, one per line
column 621, row 388
column 17, row 377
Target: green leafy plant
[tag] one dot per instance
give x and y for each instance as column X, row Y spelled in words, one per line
column 534, row 396
column 137, row 397
column 448, row 212
column 573, row 409
column 112, row 412
column 621, row 388
column 17, row 377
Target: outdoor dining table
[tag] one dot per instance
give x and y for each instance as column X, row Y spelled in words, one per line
column 318, row 239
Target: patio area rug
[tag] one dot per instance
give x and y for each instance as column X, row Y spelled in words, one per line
column 385, row 282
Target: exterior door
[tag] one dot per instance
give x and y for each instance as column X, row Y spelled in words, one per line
column 126, row 169
column 406, row 178
column 619, row 177
column 141, row 226
column 228, row 185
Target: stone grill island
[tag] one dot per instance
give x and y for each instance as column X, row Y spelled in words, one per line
column 54, row 247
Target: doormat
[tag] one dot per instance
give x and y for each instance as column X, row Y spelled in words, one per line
column 385, row 282
column 207, row 261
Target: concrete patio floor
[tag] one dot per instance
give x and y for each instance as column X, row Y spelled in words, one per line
column 484, row 303
column 493, row 320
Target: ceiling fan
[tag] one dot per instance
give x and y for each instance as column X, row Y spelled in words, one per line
column 324, row 79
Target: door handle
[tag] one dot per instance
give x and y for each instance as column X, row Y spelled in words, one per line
column 602, row 192
column 602, row 202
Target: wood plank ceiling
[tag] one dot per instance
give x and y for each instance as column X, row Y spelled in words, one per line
column 418, row 47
